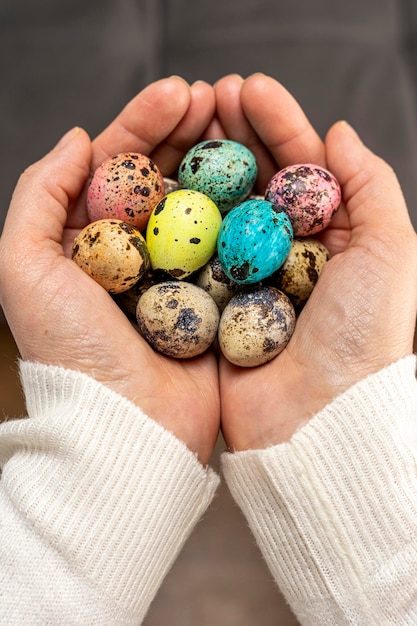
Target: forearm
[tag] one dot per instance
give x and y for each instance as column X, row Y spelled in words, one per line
column 101, row 496
column 334, row 510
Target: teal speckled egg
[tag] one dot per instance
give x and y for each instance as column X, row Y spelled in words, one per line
column 254, row 241
column 222, row 169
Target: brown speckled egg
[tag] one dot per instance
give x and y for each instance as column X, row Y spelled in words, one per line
column 113, row 253
column 126, row 187
column 255, row 326
column 212, row 279
column 301, row 269
column 178, row 319
column 128, row 300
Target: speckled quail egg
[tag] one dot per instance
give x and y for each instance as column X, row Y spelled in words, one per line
column 178, row 319
column 301, row 269
column 128, row 300
column 113, row 253
column 126, row 186
column 254, row 240
column 182, row 232
column 171, row 184
column 309, row 194
column 223, row 169
column 255, row 326
column 212, row 279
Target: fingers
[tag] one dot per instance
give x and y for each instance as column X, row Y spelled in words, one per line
column 32, row 235
column 146, row 120
column 236, row 126
column 381, row 230
column 280, row 123
column 372, row 194
column 38, row 209
column 189, row 130
column 263, row 115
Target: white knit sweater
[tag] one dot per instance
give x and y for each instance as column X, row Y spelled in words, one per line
column 96, row 501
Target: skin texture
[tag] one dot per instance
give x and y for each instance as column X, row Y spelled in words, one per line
column 60, row 326
column 360, row 317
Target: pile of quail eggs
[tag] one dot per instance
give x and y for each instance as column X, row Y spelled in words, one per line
column 201, row 257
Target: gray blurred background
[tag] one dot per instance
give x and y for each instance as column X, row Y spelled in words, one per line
column 78, row 62
column 75, row 62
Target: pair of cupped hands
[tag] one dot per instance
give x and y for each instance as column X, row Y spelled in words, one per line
column 360, row 317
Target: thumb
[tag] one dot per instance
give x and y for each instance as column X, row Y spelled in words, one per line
column 371, row 191
column 382, row 252
column 47, row 188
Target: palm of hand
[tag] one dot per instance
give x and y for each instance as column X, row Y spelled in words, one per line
column 181, row 395
column 58, row 315
column 338, row 336
column 351, row 327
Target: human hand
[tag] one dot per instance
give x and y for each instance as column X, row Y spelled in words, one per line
column 361, row 315
column 58, row 314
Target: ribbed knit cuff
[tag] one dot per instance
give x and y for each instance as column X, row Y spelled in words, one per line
column 112, row 491
column 334, row 510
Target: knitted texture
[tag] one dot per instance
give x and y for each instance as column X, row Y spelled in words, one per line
column 95, row 493
column 334, row 510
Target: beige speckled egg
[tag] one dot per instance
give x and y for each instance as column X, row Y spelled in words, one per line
column 170, row 184
column 255, row 326
column 113, row 253
column 212, row 279
column 178, row 319
column 301, row 269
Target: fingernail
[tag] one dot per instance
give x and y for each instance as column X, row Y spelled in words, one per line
column 348, row 128
column 259, row 74
column 178, row 78
column 228, row 77
column 69, row 136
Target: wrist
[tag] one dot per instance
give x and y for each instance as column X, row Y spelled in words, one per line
column 285, row 396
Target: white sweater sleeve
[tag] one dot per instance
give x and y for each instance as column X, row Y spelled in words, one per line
column 334, row 510
column 96, row 500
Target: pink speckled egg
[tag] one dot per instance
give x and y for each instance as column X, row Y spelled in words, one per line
column 127, row 187
column 310, row 195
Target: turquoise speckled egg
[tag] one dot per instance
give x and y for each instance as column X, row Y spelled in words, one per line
column 182, row 232
column 254, row 241
column 222, row 169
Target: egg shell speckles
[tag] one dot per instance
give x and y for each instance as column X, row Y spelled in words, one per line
column 255, row 326
column 254, row 240
column 113, row 253
column 182, row 232
column 178, row 319
column 212, row 279
column 222, row 169
column 309, row 194
column 128, row 300
column 127, row 187
column 299, row 273
column 171, row 184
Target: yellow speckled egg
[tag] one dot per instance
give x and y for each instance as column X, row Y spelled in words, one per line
column 182, row 232
column 113, row 253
